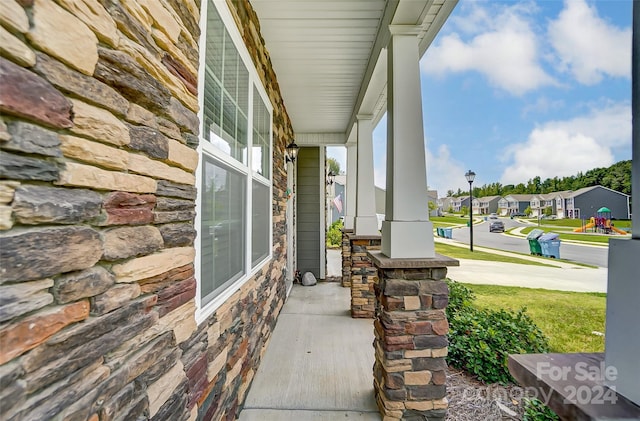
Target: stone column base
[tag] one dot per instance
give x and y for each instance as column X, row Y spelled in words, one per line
column 346, row 257
column 363, row 275
column 410, row 337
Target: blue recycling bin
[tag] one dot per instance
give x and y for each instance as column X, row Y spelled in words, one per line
column 550, row 245
column 448, row 232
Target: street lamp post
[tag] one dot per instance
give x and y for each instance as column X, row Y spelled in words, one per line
column 470, row 175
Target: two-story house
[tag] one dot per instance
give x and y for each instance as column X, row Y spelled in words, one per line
column 486, row 205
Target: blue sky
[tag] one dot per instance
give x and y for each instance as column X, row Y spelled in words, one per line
column 515, row 89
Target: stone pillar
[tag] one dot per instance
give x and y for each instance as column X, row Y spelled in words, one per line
column 363, row 275
column 410, row 337
column 406, row 231
column 346, row 257
column 352, row 172
column 366, row 222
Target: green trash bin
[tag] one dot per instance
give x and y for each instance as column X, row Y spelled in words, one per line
column 468, row 223
column 534, row 245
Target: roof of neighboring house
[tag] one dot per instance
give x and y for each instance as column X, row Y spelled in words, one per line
column 520, row 197
column 381, row 194
column 487, row 199
column 563, row 194
column 460, row 198
column 587, row 189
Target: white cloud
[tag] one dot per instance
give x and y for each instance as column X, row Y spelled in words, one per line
column 380, row 176
column 542, row 106
column 563, row 148
column 444, row 172
column 588, row 46
column 505, row 52
column 609, row 124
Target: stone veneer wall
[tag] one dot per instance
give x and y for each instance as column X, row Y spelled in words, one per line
column 346, row 258
column 410, row 337
column 364, row 275
column 98, row 131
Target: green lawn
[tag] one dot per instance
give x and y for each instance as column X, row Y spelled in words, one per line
column 464, row 253
column 449, row 219
column 567, row 318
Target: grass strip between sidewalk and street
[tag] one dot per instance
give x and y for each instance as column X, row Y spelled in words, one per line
column 568, row 319
column 452, row 220
column 464, row 253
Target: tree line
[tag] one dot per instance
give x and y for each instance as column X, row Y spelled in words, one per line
column 616, row 177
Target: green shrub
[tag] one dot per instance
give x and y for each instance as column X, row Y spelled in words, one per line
column 334, row 234
column 459, row 296
column 534, row 410
column 480, row 340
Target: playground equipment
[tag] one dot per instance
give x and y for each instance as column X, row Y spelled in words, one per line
column 601, row 223
column 586, row 227
column 619, row 231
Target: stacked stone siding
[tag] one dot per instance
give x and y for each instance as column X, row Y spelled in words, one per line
column 346, row 258
column 98, row 138
column 410, row 337
column 364, row 275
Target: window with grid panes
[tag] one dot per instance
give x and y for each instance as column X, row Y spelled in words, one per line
column 235, row 171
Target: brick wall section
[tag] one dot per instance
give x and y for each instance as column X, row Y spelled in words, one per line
column 410, row 337
column 346, row 258
column 98, row 131
column 364, row 275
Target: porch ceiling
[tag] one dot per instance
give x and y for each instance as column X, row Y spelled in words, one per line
column 327, row 57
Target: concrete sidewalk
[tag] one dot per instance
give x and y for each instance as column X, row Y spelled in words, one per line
column 318, row 365
column 564, row 277
column 575, row 278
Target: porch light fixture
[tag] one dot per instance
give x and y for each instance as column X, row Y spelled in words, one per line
column 330, row 177
column 470, row 175
column 292, row 152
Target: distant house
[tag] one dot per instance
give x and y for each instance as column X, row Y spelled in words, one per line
column 485, row 205
column 381, row 198
column 433, row 203
column 559, row 203
column 514, row 203
column 540, row 202
column 459, row 202
column 585, row 202
column 337, row 198
column 445, row 203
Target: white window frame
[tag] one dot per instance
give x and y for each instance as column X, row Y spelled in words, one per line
column 205, row 147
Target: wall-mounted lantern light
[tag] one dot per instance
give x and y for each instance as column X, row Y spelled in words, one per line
column 330, row 177
column 292, row 152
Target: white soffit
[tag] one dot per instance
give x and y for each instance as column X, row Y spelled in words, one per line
column 324, row 51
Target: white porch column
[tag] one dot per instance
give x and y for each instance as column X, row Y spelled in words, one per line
column 366, row 222
column 406, row 231
column 623, row 289
column 352, row 177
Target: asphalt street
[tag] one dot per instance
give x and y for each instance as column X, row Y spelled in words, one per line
column 592, row 255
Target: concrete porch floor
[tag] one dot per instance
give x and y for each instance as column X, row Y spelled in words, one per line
column 318, row 364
